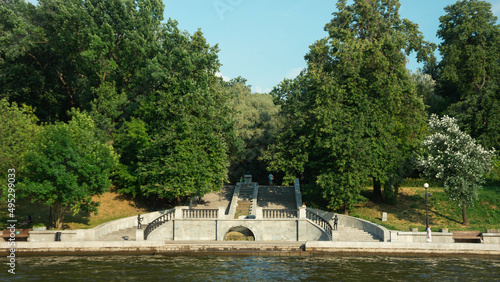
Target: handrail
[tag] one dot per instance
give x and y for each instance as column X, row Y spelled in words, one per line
column 167, row 216
column 279, row 213
column 200, row 213
column 321, row 222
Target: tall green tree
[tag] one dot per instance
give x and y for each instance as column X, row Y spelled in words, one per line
column 188, row 120
column 149, row 86
column 67, row 165
column 457, row 159
column 358, row 114
column 468, row 75
column 17, row 127
column 92, row 55
column 255, row 125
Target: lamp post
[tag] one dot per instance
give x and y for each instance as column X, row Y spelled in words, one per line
column 426, row 209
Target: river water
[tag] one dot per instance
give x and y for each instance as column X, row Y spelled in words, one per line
column 248, row 268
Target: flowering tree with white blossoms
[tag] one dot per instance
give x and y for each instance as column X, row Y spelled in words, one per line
column 457, row 159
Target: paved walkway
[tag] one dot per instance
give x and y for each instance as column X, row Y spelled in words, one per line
column 276, row 197
column 215, row 200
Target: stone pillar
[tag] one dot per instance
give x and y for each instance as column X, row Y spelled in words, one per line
column 178, row 212
column 302, row 224
column 384, row 216
column 222, row 213
column 139, row 235
column 259, row 213
column 302, row 212
column 248, row 179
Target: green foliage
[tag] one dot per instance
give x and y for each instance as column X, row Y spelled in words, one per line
column 468, row 75
column 150, row 87
column 255, row 124
column 92, row 55
column 188, row 122
column 17, row 127
column 130, row 139
column 426, row 90
column 457, row 159
column 419, row 182
column 354, row 113
column 66, row 166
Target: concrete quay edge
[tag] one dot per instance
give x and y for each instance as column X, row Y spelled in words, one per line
column 256, row 248
column 322, row 247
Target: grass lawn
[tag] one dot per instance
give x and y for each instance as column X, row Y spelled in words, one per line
column 410, row 210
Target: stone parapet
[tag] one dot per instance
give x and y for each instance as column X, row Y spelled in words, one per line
column 491, row 238
column 420, row 237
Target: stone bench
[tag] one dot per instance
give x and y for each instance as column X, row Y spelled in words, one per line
column 467, row 236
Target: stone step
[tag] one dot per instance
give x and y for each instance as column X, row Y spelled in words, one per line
column 350, row 234
column 118, row 235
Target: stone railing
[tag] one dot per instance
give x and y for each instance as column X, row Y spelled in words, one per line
column 167, row 216
column 379, row 231
column 277, row 213
column 321, row 222
column 200, row 213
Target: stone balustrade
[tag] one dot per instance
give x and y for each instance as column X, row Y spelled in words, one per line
column 200, row 213
column 279, row 213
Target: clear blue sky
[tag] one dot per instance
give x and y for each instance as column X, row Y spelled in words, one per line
column 265, row 41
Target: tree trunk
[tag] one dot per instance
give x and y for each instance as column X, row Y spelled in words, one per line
column 58, row 215
column 464, row 214
column 377, row 191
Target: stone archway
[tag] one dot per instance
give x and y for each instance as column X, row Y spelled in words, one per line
column 239, row 233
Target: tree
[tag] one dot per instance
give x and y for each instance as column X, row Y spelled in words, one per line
column 255, row 124
column 457, row 159
column 188, row 119
column 66, row 166
column 91, row 55
column 355, row 111
column 149, row 86
column 426, row 90
column 17, row 127
column 468, row 75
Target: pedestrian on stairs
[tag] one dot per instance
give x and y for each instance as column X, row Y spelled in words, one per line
column 335, row 222
column 271, row 178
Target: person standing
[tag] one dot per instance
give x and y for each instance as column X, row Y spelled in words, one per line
column 428, row 239
column 271, row 179
column 335, row 222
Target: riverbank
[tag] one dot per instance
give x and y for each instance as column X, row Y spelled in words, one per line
column 308, row 248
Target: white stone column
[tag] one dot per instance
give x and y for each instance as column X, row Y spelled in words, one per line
column 302, row 212
column 222, row 213
column 139, row 234
column 178, row 212
column 259, row 213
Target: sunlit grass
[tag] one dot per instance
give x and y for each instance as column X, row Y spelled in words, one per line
column 113, row 206
column 410, row 210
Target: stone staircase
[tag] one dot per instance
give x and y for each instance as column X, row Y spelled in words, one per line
column 245, row 200
column 349, row 234
column 118, row 235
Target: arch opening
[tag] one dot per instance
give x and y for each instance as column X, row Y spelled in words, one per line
column 239, row 233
